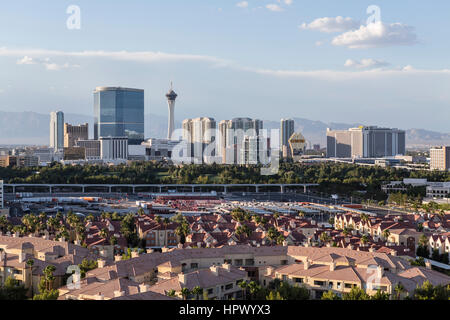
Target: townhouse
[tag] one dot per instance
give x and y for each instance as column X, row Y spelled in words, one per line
column 104, row 238
column 440, row 242
column 155, row 234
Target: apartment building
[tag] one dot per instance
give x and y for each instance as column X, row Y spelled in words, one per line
column 322, row 269
column 200, row 135
column 16, row 251
column 218, row 282
column 231, row 137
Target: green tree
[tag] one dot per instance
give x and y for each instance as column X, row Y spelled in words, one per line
column 355, row 294
column 330, row 295
column 185, row 292
column 197, row 291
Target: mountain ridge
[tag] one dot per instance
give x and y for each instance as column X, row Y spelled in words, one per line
column 33, row 128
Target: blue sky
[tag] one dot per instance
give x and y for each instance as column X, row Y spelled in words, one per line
column 266, row 59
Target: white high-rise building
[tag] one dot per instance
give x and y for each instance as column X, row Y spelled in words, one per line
column 231, row 137
column 200, row 134
column 113, row 148
column 171, row 97
column 57, row 130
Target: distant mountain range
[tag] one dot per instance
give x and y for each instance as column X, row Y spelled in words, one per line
column 33, row 128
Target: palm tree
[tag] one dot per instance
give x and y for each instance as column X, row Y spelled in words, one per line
column 423, row 241
column 30, row 263
column 185, row 292
column 197, row 291
column 399, row 289
column 171, row 293
column 364, row 217
column 104, row 233
column 442, row 214
column 49, row 278
column 364, row 239
column 276, row 215
column 3, row 223
column 386, row 233
column 254, row 288
column 244, row 286
column 166, row 222
column 324, row 237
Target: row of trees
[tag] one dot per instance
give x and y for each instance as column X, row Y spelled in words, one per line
column 282, row 290
column 424, row 292
column 333, row 178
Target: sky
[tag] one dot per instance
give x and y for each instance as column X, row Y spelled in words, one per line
column 334, row 61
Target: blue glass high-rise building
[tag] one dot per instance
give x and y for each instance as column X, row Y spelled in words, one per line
column 119, row 112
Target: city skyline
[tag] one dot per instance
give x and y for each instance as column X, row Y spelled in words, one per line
column 305, row 54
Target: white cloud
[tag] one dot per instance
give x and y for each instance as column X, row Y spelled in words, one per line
column 132, row 56
column 376, row 35
column 286, row 2
column 243, row 4
column 37, row 56
column 333, row 75
column 46, row 62
column 274, row 7
column 329, row 25
column 365, row 63
column 26, row 60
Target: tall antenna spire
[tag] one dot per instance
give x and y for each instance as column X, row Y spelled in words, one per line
column 171, row 97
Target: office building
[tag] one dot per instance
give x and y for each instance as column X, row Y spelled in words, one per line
column 47, row 155
column 440, row 158
column 114, row 148
column 57, row 130
column 438, row 190
column 171, row 98
column 119, row 112
column 74, row 133
column 74, row 153
column 286, row 131
column 19, row 161
column 365, row 142
column 200, row 135
column 91, row 149
column 231, row 137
